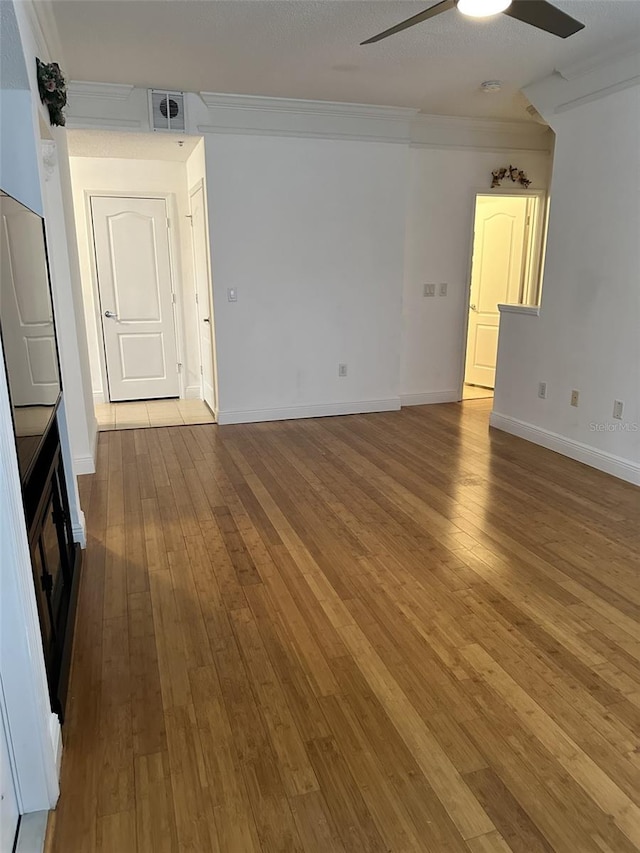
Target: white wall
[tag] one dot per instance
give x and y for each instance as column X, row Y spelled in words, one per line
column 34, row 732
column 440, row 215
column 136, row 177
column 587, row 336
column 311, row 234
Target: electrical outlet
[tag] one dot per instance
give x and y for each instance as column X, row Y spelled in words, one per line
column 575, row 398
column 429, row 290
column 542, row 390
column 443, row 288
column 342, row 370
column 618, row 406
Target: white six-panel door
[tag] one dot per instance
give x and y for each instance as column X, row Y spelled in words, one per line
column 136, row 297
column 496, row 277
column 199, row 233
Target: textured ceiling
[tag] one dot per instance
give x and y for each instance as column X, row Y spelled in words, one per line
column 310, row 49
column 130, row 146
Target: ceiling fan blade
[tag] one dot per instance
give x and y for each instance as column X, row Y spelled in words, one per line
column 444, row 6
column 544, row 16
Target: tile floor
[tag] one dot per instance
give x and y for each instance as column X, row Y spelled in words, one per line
column 475, row 392
column 152, row 413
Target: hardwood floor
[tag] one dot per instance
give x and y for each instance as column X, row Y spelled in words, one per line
column 392, row 632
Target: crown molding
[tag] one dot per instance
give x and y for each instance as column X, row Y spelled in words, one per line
column 588, row 80
column 437, row 131
column 102, row 91
column 256, row 115
column 260, row 103
column 89, row 122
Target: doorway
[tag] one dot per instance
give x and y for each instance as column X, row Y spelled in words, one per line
column 202, row 276
column 504, row 270
column 136, row 295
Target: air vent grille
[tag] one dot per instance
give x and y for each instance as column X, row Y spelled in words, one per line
column 167, row 110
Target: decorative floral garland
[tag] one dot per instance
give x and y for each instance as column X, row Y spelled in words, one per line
column 516, row 175
column 53, row 90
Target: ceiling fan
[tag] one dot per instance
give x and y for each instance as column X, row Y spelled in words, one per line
column 537, row 13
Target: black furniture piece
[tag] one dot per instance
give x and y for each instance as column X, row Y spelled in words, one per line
column 55, row 560
column 29, row 345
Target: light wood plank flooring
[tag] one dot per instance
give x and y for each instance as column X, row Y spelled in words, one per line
column 392, row 632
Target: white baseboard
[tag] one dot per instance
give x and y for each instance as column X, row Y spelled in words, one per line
column 98, row 397
column 430, row 397
column 192, row 392
column 624, row 469
column 321, row 410
column 56, row 739
column 32, row 832
column 84, row 465
column 79, row 531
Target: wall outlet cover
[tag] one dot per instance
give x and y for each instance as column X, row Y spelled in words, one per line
column 542, row 390
column 575, row 398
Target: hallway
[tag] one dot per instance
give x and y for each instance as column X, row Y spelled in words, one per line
column 388, row 632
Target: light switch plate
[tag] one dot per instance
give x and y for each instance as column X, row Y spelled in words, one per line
column 232, row 294
column 429, row 290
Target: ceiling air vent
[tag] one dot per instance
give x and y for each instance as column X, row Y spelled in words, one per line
column 166, row 110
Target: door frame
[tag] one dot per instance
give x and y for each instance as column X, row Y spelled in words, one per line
column 171, row 207
column 201, row 184
column 537, row 240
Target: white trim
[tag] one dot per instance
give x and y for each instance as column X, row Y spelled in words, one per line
column 539, row 235
column 321, row 410
column 599, row 93
column 255, row 115
column 32, row 832
column 429, row 397
column 23, row 680
column 84, row 465
column 81, row 122
column 98, row 397
column 600, row 75
column 56, row 738
column 101, row 91
column 300, row 134
column 532, row 310
column 624, row 469
column 435, row 131
column 300, row 106
column 192, row 392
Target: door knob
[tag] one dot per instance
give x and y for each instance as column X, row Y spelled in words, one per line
column 111, row 314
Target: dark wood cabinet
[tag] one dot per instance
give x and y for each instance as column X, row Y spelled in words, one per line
column 55, row 560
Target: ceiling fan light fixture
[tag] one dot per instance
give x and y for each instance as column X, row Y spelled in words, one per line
column 482, row 8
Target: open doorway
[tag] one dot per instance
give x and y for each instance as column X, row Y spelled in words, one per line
column 143, row 280
column 505, row 269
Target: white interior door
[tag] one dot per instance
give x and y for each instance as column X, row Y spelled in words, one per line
column 9, row 815
column 499, row 253
column 200, row 235
column 27, row 328
column 136, row 297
